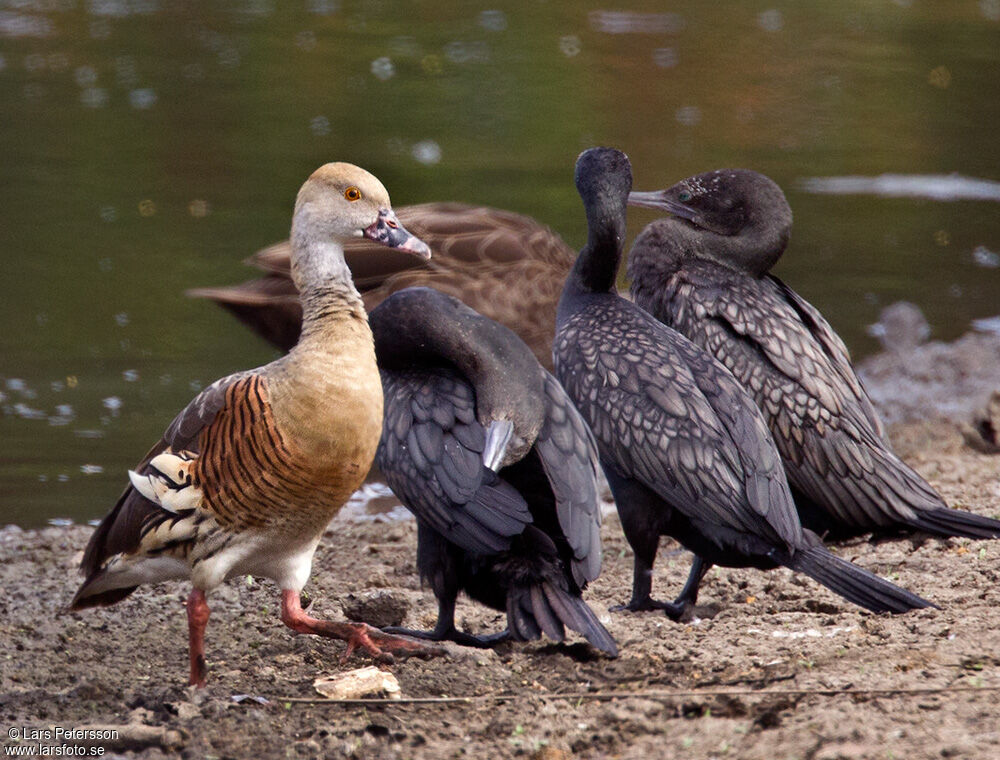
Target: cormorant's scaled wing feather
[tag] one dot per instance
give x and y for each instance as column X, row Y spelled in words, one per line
column 431, row 455
column 835, row 350
column 766, row 485
column 779, row 348
column 568, row 453
column 634, row 381
column 787, row 356
column 122, row 528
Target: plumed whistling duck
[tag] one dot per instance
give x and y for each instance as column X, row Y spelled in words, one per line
column 247, row 477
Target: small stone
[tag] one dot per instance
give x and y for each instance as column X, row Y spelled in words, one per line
column 356, row 684
column 187, row 711
column 378, row 608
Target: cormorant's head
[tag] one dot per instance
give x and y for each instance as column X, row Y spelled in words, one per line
column 736, row 217
column 604, row 179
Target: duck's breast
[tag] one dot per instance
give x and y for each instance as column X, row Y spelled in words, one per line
column 288, row 449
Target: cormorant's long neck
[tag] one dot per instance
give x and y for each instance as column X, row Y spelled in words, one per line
column 414, row 329
column 596, row 268
column 762, row 244
column 409, row 334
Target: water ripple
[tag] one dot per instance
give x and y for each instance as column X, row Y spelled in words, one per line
column 939, row 187
column 629, row 22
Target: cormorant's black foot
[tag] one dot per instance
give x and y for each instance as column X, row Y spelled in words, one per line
column 673, row 610
column 453, row 634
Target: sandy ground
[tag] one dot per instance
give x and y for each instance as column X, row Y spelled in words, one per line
column 774, row 666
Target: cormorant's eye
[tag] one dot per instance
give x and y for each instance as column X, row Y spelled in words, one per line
column 684, row 196
column 352, row 193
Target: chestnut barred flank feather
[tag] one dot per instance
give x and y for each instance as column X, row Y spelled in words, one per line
column 246, row 462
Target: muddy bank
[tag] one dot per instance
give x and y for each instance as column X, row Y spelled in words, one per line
column 914, row 380
column 774, row 666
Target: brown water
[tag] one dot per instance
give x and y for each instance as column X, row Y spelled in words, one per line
column 148, row 146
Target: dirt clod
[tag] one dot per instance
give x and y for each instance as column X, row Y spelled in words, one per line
column 380, row 608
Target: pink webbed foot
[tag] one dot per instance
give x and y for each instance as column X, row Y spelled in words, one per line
column 383, row 647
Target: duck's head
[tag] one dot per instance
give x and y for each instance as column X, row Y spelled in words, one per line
column 736, row 217
column 341, row 201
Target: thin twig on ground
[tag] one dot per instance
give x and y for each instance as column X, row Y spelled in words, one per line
column 609, row 695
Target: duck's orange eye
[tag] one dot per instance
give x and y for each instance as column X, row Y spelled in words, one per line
column 352, row 193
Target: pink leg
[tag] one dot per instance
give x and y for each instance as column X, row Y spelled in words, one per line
column 382, row 646
column 197, row 611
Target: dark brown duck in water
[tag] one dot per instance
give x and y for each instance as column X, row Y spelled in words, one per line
column 506, row 266
column 489, row 453
column 249, row 474
column 704, row 271
column 685, row 449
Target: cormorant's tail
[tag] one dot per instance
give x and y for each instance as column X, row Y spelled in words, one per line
column 955, row 522
column 852, row 582
column 545, row 607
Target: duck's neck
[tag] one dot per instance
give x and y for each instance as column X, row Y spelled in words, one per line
column 326, row 288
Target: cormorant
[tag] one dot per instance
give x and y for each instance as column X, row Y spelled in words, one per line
column 684, row 448
column 704, row 271
column 487, row 450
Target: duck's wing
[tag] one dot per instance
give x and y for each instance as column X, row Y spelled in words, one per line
column 521, row 295
column 486, row 235
column 666, row 414
column 431, row 454
column 276, row 258
column 568, row 453
column 505, row 265
column 155, row 509
column 456, row 233
column 269, row 306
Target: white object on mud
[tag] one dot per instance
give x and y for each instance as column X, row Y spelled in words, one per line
column 355, row 684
